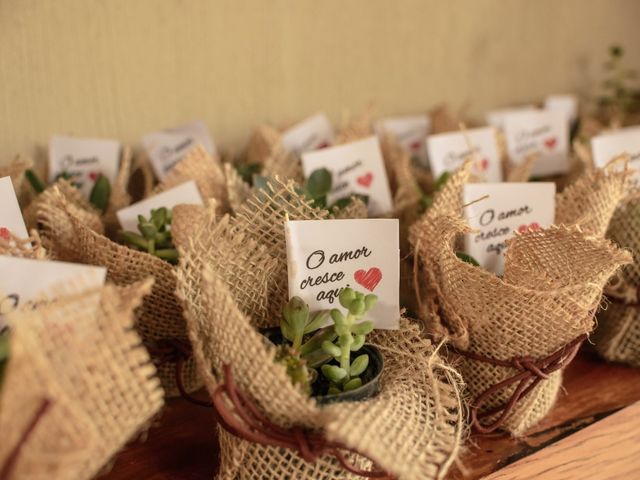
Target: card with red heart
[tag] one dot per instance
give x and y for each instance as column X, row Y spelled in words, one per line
column 448, row 151
column 167, row 147
column 312, row 133
column 83, row 159
column 544, row 133
column 410, row 131
column 509, row 208
column 356, row 168
column 11, row 220
column 325, row 256
column 24, row 280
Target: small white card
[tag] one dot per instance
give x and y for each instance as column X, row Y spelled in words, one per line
column 511, row 207
column 325, row 256
column 167, row 147
column 496, row 118
column 83, row 159
column 448, row 151
column 185, row 193
column 567, row 104
column 608, row 145
column 11, row 220
column 410, row 131
column 23, row 280
column 544, row 132
column 356, row 167
column 312, row 133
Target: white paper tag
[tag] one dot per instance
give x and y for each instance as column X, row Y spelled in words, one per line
column 511, row 207
column 567, row 104
column 608, row 145
column 11, row 220
column 23, row 280
column 167, row 147
column 312, row 133
column 496, row 118
column 448, row 151
column 185, row 193
column 543, row 132
column 410, row 131
column 83, row 159
column 356, row 167
column 324, row 256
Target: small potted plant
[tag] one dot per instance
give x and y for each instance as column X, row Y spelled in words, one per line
column 333, row 363
column 154, row 235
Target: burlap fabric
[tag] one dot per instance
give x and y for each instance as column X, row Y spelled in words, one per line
column 617, row 337
column 550, row 290
column 23, row 247
column 67, row 237
column 232, row 279
column 87, row 364
column 15, row 169
column 206, row 170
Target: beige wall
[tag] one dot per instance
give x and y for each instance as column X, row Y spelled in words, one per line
column 120, row 68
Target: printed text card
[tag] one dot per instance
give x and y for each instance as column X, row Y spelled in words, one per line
column 511, row 207
column 168, row 147
column 448, row 151
column 543, row 132
column 83, row 160
column 325, row 256
column 608, row 145
column 410, row 131
column 11, row 220
column 311, row 134
column 23, row 280
column 186, row 192
column 356, row 167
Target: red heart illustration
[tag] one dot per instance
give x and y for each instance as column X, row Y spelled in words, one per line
column 365, row 180
column 93, row 176
column 369, row 279
column 550, row 142
column 415, row 146
column 323, row 145
column 532, row 226
column 4, row 233
column 484, row 164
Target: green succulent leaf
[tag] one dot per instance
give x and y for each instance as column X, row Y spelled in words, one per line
column 331, row 349
column 363, row 328
column 352, row 384
column 359, row 365
column 465, row 257
column 333, row 372
column 319, row 183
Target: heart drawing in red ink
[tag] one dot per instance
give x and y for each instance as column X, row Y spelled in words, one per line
column 532, row 226
column 415, row 146
column 365, row 180
column 323, row 145
column 93, row 176
column 4, row 233
column 484, row 164
column 369, row 279
column 550, row 142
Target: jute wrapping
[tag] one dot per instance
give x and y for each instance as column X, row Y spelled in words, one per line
column 550, row 290
column 206, row 170
column 617, row 337
column 88, row 365
column 263, row 142
column 232, row 280
column 67, row 237
column 23, row 247
column 355, row 127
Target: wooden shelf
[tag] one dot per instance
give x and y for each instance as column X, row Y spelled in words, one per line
column 183, row 446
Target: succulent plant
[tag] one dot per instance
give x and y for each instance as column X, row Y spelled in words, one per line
column 155, row 235
column 350, row 335
column 618, row 92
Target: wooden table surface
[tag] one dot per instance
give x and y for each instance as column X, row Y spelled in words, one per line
column 183, row 445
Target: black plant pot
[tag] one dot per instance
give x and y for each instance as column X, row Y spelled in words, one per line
column 370, row 378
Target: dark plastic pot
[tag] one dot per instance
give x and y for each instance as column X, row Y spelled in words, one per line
column 370, row 378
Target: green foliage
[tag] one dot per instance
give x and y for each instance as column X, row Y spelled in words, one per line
column 465, row 257
column 248, row 170
column 4, row 353
column 154, row 237
column 34, row 180
column 618, row 91
column 100, row 193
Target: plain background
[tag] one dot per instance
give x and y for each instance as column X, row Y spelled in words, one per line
column 121, row 68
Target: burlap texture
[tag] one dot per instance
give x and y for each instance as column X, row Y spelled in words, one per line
column 15, row 169
column 617, row 337
column 206, row 170
column 355, row 127
column 67, row 237
column 23, row 247
column 550, row 290
column 88, row 363
column 232, row 279
column 263, row 142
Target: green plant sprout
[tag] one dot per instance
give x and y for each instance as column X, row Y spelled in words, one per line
column 618, row 96
column 350, row 337
column 155, row 235
column 247, row 171
column 4, row 353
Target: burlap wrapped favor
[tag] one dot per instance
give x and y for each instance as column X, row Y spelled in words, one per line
column 617, row 337
column 232, row 279
column 78, row 385
column 67, row 237
column 23, row 247
column 516, row 332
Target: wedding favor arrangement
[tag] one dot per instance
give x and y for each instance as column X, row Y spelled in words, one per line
column 353, row 301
